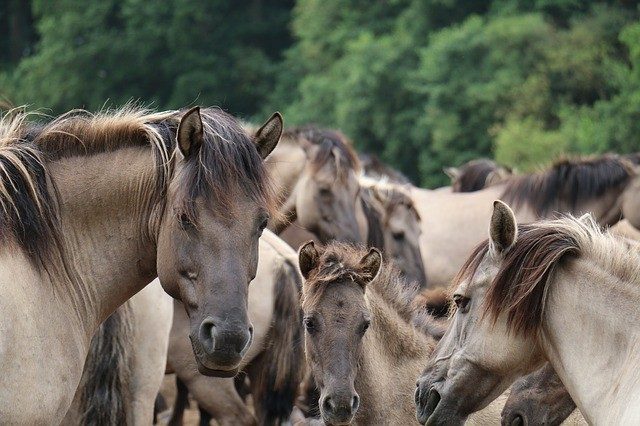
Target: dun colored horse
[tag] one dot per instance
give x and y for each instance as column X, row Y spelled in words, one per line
column 360, row 344
column 393, row 226
column 453, row 223
column 316, row 174
column 96, row 206
column 518, row 297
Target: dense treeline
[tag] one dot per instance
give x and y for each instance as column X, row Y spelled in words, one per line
column 421, row 83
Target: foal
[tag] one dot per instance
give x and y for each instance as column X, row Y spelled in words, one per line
column 360, row 344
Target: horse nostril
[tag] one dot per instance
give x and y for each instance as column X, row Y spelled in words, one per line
column 207, row 329
column 327, row 404
column 251, row 330
column 355, row 403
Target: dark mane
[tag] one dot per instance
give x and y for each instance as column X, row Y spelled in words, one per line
column 519, row 287
column 375, row 236
column 228, row 162
column 330, row 144
column 340, row 262
column 473, row 175
column 568, row 183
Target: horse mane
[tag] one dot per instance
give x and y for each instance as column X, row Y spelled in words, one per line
column 227, row 162
column 520, row 286
column 331, row 144
column 568, row 181
column 340, row 262
column 473, row 175
column 375, row 236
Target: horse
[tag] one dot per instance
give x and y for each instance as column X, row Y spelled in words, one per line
column 541, row 395
column 477, row 174
column 360, row 344
column 96, row 206
column 316, row 174
column 453, row 223
column 393, row 226
column 274, row 363
column 540, row 399
column 536, row 292
column 126, row 362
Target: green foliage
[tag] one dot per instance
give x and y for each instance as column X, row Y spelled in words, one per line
column 170, row 53
column 422, row 83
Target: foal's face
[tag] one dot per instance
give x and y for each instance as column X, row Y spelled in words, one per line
column 334, row 328
column 336, row 319
column 476, row 360
column 207, row 258
column 328, row 203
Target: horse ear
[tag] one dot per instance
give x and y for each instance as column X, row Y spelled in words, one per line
column 452, row 172
column 370, row 264
column 268, row 136
column 308, row 258
column 503, row 230
column 190, row 133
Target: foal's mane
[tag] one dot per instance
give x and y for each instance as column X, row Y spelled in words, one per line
column 227, row 162
column 519, row 288
column 568, row 181
column 340, row 262
column 473, row 174
column 331, row 144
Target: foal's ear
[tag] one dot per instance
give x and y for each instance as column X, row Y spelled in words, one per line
column 268, row 136
column 190, row 133
column 308, row 258
column 370, row 265
column 503, row 230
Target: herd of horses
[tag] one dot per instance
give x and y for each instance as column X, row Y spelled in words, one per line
column 138, row 243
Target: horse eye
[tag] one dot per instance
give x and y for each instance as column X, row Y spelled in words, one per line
column 310, row 325
column 325, row 192
column 462, row 302
column 185, row 223
column 399, row 236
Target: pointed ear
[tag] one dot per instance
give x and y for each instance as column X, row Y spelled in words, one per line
column 308, row 258
column 190, row 133
column 503, row 230
column 452, row 172
column 268, row 136
column 370, row 265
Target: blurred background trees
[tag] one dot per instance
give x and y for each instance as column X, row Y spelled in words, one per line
column 421, row 83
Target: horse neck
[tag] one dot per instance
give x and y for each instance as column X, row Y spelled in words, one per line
column 393, row 355
column 104, row 223
column 590, row 336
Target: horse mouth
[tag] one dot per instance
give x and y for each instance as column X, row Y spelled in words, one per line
column 433, row 399
column 425, row 411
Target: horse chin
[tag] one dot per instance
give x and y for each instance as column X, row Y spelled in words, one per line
column 214, row 372
column 333, row 422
